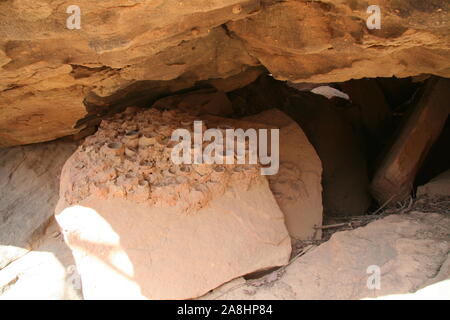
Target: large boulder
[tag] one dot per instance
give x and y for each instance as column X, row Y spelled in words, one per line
column 55, row 80
column 29, row 184
column 141, row 227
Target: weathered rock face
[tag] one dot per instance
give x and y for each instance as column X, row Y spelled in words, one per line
column 412, row 252
column 47, row 272
column 54, row 81
column 140, row 226
column 29, row 182
column 328, row 41
column 51, row 74
column 198, row 102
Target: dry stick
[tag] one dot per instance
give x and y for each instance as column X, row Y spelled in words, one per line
column 384, row 205
column 337, row 225
column 406, row 208
column 298, row 255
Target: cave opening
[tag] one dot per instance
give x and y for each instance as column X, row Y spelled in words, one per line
column 351, row 125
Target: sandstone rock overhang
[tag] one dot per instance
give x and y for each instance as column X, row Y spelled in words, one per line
column 54, row 81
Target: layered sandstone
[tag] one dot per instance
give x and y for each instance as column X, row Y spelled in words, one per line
column 54, row 81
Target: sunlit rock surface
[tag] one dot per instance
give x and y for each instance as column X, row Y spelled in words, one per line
column 54, row 81
column 391, row 258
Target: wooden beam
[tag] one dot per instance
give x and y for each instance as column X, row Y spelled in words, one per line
column 394, row 178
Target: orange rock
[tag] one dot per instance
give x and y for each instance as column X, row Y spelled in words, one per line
column 164, row 231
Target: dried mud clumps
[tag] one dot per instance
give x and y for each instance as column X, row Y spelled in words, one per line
column 130, row 157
